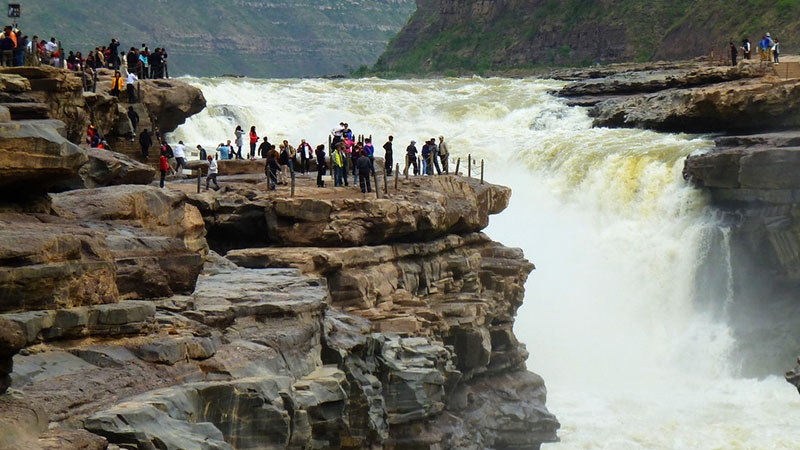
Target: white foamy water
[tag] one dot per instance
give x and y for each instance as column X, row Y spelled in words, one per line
column 611, row 316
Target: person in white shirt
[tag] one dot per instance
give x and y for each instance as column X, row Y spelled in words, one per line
column 132, row 78
column 212, row 172
column 180, row 156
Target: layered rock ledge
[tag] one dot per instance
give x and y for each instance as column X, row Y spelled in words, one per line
column 334, row 320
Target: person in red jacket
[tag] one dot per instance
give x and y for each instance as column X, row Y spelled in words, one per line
column 253, row 141
column 163, row 164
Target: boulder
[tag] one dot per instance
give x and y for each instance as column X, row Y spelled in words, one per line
column 47, row 158
column 12, row 339
column 170, row 102
column 49, row 263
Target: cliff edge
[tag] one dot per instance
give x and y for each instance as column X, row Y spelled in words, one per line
column 331, row 321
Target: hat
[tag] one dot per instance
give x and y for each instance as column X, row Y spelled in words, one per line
column 209, row 157
column 413, row 142
column 767, row 34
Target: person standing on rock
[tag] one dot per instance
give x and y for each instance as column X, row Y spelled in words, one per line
column 746, row 48
column 239, row 141
column 117, row 84
column 134, row 118
column 775, row 51
column 129, row 84
column 411, row 158
column 444, row 154
column 273, row 167
column 222, row 149
column 304, row 149
column 337, row 162
column 264, row 148
column 364, row 167
column 254, row 141
column 145, row 141
column 202, row 152
column 321, row 165
column 435, row 155
column 180, row 157
column 213, row 170
column 734, row 53
column 163, row 165
column 387, row 156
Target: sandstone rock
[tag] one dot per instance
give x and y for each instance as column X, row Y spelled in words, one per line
column 754, row 105
column 55, row 265
column 21, row 422
column 432, row 207
column 640, row 79
column 49, row 158
column 164, row 257
column 12, row 339
column 10, row 82
column 66, row 439
column 171, row 101
column 106, row 168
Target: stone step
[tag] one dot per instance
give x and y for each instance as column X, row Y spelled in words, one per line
column 28, row 111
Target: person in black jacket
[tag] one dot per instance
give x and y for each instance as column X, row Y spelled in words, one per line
column 321, row 164
column 145, row 141
column 387, row 156
column 263, row 149
column 364, row 166
column 411, row 158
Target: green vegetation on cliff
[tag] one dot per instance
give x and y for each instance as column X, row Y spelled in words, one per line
column 242, row 37
column 452, row 36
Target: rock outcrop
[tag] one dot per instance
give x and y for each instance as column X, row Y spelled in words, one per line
column 334, row 321
column 689, row 97
column 751, row 259
column 755, row 195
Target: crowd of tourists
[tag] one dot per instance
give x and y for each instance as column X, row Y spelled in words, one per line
column 347, row 155
column 16, row 49
column 768, row 49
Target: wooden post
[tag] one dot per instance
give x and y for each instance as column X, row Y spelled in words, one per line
column 199, row 174
column 396, row 174
column 292, row 172
column 469, row 165
column 458, row 163
column 377, row 187
column 481, row 171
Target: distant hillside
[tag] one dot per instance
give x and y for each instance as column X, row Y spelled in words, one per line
column 457, row 36
column 294, row 38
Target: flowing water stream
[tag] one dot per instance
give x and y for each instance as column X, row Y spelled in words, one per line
column 619, row 318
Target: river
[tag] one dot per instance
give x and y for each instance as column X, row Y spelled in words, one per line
column 635, row 351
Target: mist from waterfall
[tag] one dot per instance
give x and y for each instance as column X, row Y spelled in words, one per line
column 624, row 315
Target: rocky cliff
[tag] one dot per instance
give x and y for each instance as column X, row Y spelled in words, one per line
column 332, row 321
column 486, row 37
column 749, row 177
